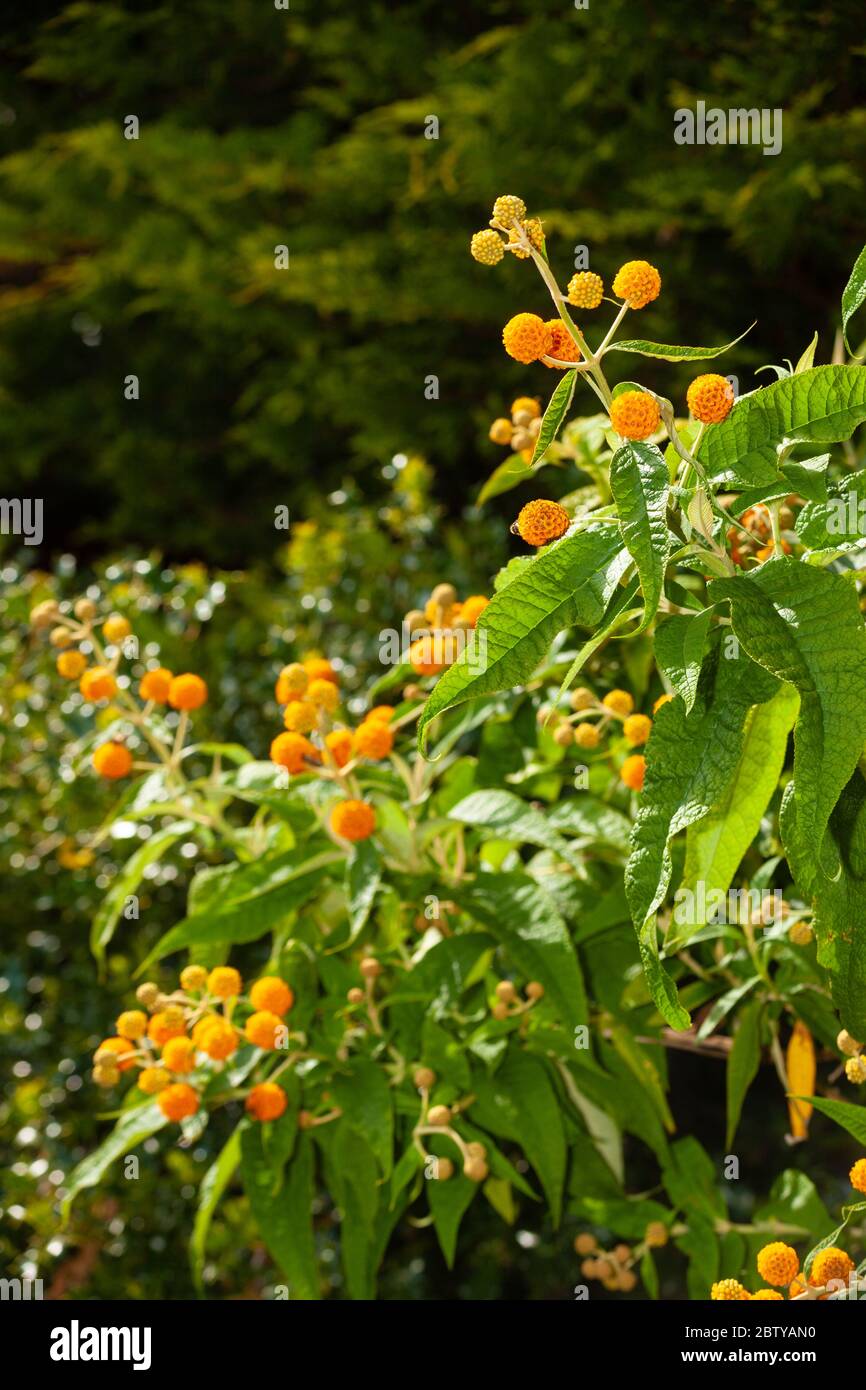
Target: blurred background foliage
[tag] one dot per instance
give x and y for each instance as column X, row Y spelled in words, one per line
column 305, row 388
column 305, row 128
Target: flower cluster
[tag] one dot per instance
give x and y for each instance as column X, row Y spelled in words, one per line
column 176, row 1042
column 439, row 629
column 521, row 431
column 778, row 1265
column 591, row 720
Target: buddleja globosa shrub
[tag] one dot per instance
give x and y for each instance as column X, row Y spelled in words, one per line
column 419, row 976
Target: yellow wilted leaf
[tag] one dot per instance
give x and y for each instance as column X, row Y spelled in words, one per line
column 800, row 1066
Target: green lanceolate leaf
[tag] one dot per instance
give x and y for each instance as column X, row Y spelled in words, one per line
column 362, row 1092
column 569, row 584
column 825, row 404
column 640, row 484
column 448, row 1203
column 133, row 1127
column 841, row 1112
column 557, row 409
column 716, row 844
column 671, row 352
column 127, row 881
column 213, row 1185
column 363, row 877
column 804, row 625
column 744, row 1060
column 519, row 1103
column 853, row 294
column 525, row 921
column 284, row 1218
column 835, row 882
column 680, row 643
column 509, row 818
column 690, row 759
column 256, row 899
column 511, row 473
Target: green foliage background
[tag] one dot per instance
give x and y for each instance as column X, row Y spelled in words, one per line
column 262, row 388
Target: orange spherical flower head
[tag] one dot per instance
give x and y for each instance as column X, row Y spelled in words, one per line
column 635, row 415
column 178, row 1102
column 585, row 290
column 727, row 1290
column 473, row 607
column 633, row 771
column 120, row 1051
column 529, row 404
column 353, row 820
column 97, row 683
column 300, row 717
column 339, row 744
column 224, row 981
column 319, row 669
column 766, row 1295
column 112, row 760
column 272, row 995
column 291, row 683
column 116, row 627
column 216, row 1038
column 70, row 665
column 178, row 1055
column 324, row 695
column 155, row 685
column 267, row 1101
column 637, row 729
column 187, row 692
column 778, row 1263
column 829, row 1264
column 619, row 702
column 166, row 1024
column 662, row 700
column 384, row 713
column 151, row 1080
column 858, row 1175
column 638, row 282
column 264, row 1029
column 373, row 739
column 487, row 247
column 430, row 654
column 710, row 398
column 562, row 345
column 526, row 338
column 541, row 521
column 291, row 752
column 132, row 1024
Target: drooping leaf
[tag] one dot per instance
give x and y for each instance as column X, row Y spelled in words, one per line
column 824, row 405
column 525, row 921
column 834, row 880
column 716, row 844
column 449, row 1200
column 805, row 625
column 363, row 877
column 853, row 294
column 557, row 409
column 213, row 1185
column 133, row 1127
column 690, row 759
column 362, row 1092
column 744, row 1060
column 842, row 1112
column 640, row 484
column 284, row 1219
column 518, row 1102
column 570, row 583
column 109, row 912
column 680, row 644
